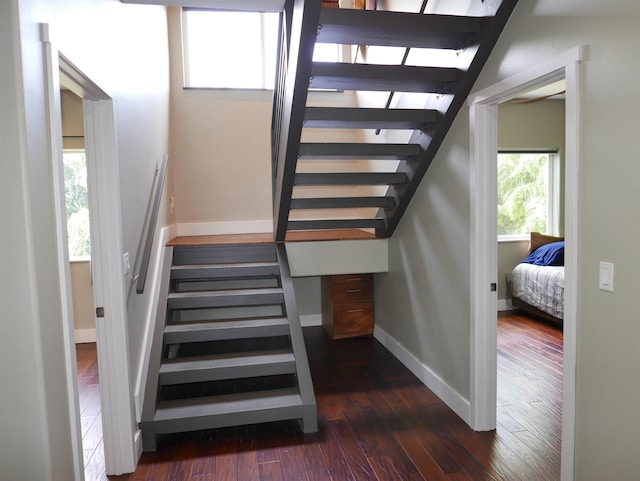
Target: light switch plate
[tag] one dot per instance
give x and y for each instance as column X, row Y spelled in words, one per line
column 606, row 276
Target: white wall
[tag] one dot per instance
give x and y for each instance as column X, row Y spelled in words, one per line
column 426, row 293
column 123, row 49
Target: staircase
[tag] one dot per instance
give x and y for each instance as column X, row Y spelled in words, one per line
column 228, row 347
column 370, row 181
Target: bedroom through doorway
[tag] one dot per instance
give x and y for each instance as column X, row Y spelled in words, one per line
column 530, row 226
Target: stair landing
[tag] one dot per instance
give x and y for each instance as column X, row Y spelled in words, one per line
column 267, row 237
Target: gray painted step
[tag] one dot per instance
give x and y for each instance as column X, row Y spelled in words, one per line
column 229, row 410
column 336, row 224
column 355, row 151
column 382, row 78
column 342, row 202
column 226, row 254
column 227, row 366
column 224, row 271
column 361, row 118
column 396, row 29
column 351, row 178
column 225, row 330
column 226, row 298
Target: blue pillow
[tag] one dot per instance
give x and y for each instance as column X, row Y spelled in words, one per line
column 547, row 255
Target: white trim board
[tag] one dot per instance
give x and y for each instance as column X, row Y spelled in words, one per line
column 446, row 393
column 310, row 320
column 85, row 335
column 109, row 281
column 483, row 145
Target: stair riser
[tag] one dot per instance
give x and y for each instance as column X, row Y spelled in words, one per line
column 210, row 302
column 198, row 423
column 226, row 334
column 224, row 254
column 212, row 273
column 239, row 372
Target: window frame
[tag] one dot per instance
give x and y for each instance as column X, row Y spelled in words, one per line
column 553, row 192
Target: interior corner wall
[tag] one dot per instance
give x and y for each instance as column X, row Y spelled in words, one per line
column 425, row 296
column 106, row 40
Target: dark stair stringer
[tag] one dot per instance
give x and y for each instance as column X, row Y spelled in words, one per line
column 305, row 23
column 227, row 347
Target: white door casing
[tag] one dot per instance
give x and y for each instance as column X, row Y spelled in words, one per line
column 483, row 146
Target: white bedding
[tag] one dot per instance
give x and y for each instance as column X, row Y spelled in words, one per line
column 541, row 287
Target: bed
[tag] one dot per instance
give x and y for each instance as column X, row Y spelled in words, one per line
column 537, row 283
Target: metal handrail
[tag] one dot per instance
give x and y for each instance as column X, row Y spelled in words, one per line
column 141, row 278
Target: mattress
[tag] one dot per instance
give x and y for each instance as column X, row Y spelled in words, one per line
column 541, row 287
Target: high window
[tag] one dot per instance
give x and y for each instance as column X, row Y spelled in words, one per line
column 229, row 50
column 235, row 50
column 528, row 197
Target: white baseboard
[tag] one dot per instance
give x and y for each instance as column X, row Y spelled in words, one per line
column 85, row 335
column 446, row 393
column 221, row 228
column 503, row 305
column 311, row 320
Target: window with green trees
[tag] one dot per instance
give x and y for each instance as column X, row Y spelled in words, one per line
column 526, row 200
column 77, row 203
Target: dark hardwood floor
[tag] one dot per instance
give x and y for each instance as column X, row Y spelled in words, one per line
column 378, row 422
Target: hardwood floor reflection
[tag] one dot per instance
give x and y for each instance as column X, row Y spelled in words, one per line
column 378, row 422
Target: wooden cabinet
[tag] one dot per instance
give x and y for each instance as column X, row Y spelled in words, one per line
column 347, row 305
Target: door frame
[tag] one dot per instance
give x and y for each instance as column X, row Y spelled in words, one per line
column 483, row 188
column 109, row 287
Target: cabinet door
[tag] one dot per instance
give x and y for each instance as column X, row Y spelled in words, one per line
column 353, row 319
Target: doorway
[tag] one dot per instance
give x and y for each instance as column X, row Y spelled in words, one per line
column 118, row 417
column 483, row 118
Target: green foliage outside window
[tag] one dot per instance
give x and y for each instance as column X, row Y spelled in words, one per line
column 77, row 203
column 523, row 186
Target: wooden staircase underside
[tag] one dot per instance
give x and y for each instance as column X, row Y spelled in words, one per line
column 368, row 183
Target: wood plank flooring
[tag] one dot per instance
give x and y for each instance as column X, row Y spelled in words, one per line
column 378, row 422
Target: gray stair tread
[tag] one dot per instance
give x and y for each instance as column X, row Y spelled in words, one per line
column 229, row 360
column 396, row 29
column 225, row 298
column 382, row 78
column 223, row 330
column 368, row 118
column 228, row 404
column 225, row 293
column 353, row 150
column 199, row 271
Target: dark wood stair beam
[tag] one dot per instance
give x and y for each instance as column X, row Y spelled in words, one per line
column 397, row 29
column 224, row 298
column 342, row 202
column 475, row 56
column 351, row 178
column 369, row 118
column 224, row 271
column 227, row 366
column 203, row 331
column 358, row 151
column 337, row 224
column 227, row 410
column 383, row 78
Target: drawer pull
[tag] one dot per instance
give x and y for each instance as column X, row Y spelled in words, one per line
column 354, row 290
column 355, row 310
column 354, row 279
